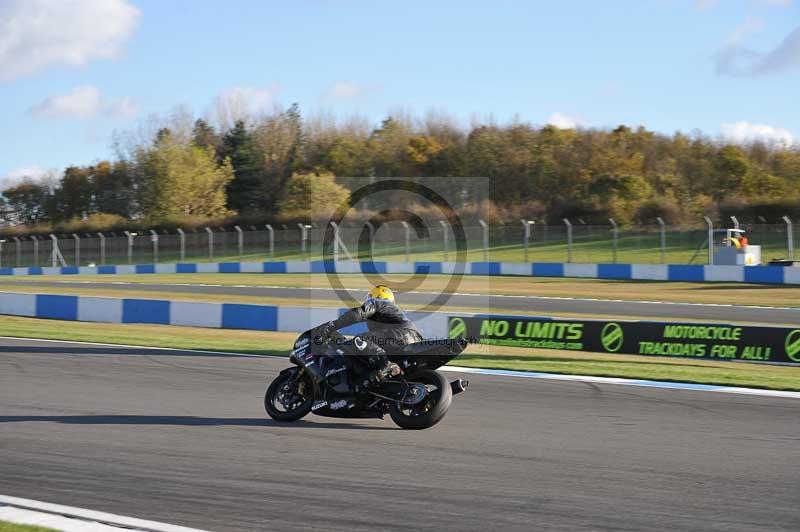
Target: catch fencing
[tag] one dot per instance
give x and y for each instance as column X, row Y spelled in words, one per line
column 522, row 241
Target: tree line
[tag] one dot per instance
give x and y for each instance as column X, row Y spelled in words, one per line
column 282, row 167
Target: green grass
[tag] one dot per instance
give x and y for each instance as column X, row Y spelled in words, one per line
column 481, row 356
column 248, row 342
column 5, row 526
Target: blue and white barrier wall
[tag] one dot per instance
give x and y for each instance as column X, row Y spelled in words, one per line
column 190, row 313
column 644, row 272
column 749, row 343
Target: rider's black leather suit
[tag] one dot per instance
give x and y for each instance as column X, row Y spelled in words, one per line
column 388, row 329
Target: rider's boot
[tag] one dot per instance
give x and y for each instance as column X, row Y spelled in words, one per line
column 385, row 369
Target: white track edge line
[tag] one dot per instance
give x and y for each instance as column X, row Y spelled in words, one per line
column 626, row 382
column 92, row 515
column 52, row 340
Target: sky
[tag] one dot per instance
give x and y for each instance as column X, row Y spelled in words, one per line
column 74, row 71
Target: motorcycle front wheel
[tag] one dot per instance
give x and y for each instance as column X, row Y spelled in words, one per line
column 430, row 410
column 289, row 397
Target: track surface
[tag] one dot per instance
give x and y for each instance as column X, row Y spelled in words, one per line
column 182, row 438
column 493, row 303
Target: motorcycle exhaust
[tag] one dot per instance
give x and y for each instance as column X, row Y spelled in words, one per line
column 459, row 385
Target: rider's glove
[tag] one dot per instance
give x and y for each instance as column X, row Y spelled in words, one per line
column 326, row 329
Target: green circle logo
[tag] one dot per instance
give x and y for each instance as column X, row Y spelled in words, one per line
column 611, row 337
column 793, row 345
column 458, row 328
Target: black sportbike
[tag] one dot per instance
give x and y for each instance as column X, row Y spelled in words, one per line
column 328, row 380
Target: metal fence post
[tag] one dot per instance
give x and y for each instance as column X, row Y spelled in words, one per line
column 271, row 232
column 663, row 243
column 614, row 239
column 446, row 243
column 102, row 248
column 54, row 244
column 526, row 224
column 77, row 249
column 130, row 245
column 485, row 231
column 371, row 240
column 18, row 250
column 735, row 222
column 154, row 240
column 303, row 238
column 408, row 238
column 239, row 240
column 35, row 250
column 569, row 239
column 210, row 242
column 710, row 225
column 789, row 237
column 182, row 239
column 335, row 241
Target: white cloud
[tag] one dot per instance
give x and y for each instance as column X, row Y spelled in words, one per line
column 241, row 103
column 15, row 176
column 33, row 171
column 705, row 5
column 775, row 3
column 563, row 121
column 85, row 101
column 346, row 90
column 35, row 34
column 248, row 97
column 737, row 60
column 749, row 26
column 744, row 132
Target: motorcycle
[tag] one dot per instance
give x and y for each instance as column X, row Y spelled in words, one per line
column 328, row 379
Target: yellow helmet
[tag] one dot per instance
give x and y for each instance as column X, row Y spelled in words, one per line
column 382, row 292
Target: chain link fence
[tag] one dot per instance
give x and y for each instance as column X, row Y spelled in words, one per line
column 519, row 242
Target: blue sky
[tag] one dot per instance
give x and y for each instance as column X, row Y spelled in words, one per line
column 71, row 73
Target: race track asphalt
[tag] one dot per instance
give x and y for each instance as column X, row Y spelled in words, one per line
column 182, row 438
column 493, row 303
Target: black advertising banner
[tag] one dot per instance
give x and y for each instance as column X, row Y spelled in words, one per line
column 684, row 340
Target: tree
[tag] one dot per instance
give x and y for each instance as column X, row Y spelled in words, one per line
column 115, row 188
column 313, row 196
column 75, row 196
column 348, row 157
column 730, row 167
column 29, row 201
column 203, row 134
column 389, row 149
column 184, row 179
column 280, row 140
column 244, row 190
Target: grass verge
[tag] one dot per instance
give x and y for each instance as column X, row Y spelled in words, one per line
column 5, row 526
column 480, row 356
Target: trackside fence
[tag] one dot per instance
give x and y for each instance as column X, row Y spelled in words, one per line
column 520, row 241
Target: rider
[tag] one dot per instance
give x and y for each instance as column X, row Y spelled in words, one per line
column 388, row 328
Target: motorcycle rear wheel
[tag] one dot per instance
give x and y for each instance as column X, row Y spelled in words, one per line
column 431, row 410
column 302, row 397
